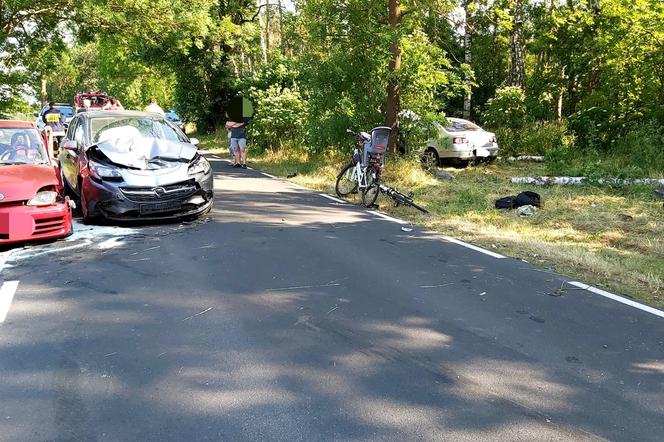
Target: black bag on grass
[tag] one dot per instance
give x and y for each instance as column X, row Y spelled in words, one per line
column 523, row 199
column 527, row 199
column 505, row 203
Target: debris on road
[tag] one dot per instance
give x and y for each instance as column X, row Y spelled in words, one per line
column 197, row 314
column 282, row 289
column 406, row 229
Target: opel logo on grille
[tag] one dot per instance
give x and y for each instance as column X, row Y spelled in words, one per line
column 2, row 197
column 160, row 191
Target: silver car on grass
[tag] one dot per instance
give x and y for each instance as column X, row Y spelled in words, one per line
column 461, row 141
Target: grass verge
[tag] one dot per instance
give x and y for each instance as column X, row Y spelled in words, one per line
column 610, row 237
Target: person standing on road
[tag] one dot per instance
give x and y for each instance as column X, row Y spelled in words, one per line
column 154, row 107
column 56, row 121
column 238, row 143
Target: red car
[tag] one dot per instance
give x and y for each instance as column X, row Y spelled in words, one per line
column 90, row 101
column 32, row 206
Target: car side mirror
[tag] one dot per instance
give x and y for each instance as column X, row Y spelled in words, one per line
column 194, row 141
column 70, row 145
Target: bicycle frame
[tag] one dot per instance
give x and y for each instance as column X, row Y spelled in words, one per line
column 360, row 174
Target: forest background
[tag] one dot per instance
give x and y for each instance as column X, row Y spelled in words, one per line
column 568, row 79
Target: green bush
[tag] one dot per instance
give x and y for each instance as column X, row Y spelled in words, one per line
column 507, row 110
column 278, row 118
column 640, row 153
column 534, row 139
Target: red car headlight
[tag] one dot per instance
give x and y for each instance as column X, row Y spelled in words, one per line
column 44, row 198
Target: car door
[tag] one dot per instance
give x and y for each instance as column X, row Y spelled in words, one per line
column 68, row 158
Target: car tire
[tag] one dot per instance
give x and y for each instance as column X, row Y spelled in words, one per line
column 87, row 219
column 430, row 159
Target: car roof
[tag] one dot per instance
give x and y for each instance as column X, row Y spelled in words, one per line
column 16, row 124
column 110, row 113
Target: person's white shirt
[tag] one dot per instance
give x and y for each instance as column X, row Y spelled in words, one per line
column 154, row 108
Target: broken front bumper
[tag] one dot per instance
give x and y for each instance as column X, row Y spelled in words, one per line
column 115, row 201
column 22, row 223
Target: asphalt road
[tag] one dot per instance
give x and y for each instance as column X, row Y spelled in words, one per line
column 284, row 315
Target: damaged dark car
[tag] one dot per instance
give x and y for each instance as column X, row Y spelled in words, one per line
column 134, row 166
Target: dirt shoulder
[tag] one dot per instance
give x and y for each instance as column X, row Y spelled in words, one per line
column 609, row 237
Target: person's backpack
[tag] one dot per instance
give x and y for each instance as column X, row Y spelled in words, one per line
column 523, row 199
column 505, row 203
column 527, row 198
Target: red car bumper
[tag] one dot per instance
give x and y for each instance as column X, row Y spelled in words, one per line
column 28, row 223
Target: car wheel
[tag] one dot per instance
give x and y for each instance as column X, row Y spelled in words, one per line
column 85, row 212
column 430, row 159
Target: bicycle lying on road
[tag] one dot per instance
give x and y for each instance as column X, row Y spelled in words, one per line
column 362, row 174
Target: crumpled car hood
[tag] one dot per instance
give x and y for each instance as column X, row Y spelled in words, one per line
column 146, row 153
column 22, row 181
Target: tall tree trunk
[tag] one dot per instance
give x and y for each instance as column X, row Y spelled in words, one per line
column 282, row 39
column 44, row 94
column 517, row 46
column 467, row 59
column 561, row 93
column 260, row 28
column 268, row 16
column 393, row 104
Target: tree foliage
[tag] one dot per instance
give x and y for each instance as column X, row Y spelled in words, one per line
column 591, row 69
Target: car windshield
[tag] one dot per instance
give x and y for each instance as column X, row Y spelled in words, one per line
column 122, row 127
column 67, row 111
column 21, row 146
column 461, row 126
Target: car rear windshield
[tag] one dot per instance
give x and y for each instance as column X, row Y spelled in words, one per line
column 121, row 127
column 67, row 111
column 21, row 146
column 461, row 126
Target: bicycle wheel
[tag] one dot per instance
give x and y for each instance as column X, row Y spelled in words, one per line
column 370, row 193
column 346, row 181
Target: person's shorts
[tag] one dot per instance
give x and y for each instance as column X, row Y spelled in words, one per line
column 238, row 143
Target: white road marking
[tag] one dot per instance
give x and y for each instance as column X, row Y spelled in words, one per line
column 6, row 296
column 472, row 247
column 620, row 299
column 324, row 195
column 270, row 176
column 389, row 218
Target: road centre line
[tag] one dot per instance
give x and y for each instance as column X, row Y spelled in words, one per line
column 620, row 299
column 6, row 296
